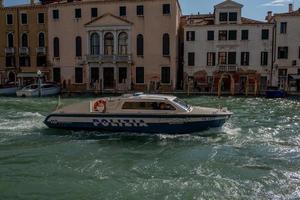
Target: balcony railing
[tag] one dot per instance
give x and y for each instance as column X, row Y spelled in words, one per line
column 23, row 50
column 41, row 50
column 10, row 50
column 227, row 68
column 109, row 58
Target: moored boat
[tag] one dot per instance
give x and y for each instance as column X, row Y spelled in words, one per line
column 8, row 89
column 275, row 92
column 139, row 113
column 34, row 90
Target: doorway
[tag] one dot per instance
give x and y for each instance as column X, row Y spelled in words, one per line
column 108, row 78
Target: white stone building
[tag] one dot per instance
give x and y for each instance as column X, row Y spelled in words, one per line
column 225, row 52
column 287, row 49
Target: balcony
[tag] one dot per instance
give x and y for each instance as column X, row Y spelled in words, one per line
column 41, row 50
column 24, row 51
column 9, row 50
column 227, row 68
column 109, row 58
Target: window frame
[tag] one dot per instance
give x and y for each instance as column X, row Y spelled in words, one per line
column 77, row 13
column 94, row 11
column 210, row 35
column 283, row 29
column 138, row 78
column 39, row 18
column 165, row 75
column 191, row 59
column 166, row 9
column 122, row 11
column 7, row 19
column 211, row 59
column 264, row 58
column 26, row 18
column 245, row 34
column 245, row 58
column 263, row 36
column 140, row 10
column 55, row 14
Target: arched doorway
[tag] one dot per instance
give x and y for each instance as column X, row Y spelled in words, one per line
column 11, row 77
column 226, row 84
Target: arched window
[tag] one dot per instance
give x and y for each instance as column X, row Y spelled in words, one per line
column 166, row 44
column 109, row 44
column 41, row 40
column 11, row 77
column 10, row 40
column 24, row 40
column 140, row 45
column 123, row 43
column 95, row 44
column 78, row 46
column 56, row 47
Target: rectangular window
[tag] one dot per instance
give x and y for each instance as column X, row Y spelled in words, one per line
column 223, row 35
column 223, row 17
column 139, row 76
column 211, row 59
column 265, row 34
column 41, row 18
column 210, row 35
column 232, row 16
column 231, row 58
column 122, row 11
column 166, row 9
column 9, row 19
column 24, row 61
column 23, row 18
column 165, row 75
column 245, row 58
column 245, row 35
column 283, row 27
column 56, row 75
column 77, row 13
column 191, row 59
column 299, row 53
column 264, row 58
column 140, row 10
column 122, row 74
column 190, row 36
column 283, row 52
column 78, row 75
column 41, row 61
column 232, row 35
column 94, row 12
column 55, row 14
column 222, row 60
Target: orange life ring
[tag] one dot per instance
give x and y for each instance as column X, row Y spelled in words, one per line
column 99, row 103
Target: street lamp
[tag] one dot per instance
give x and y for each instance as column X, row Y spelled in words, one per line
column 39, row 74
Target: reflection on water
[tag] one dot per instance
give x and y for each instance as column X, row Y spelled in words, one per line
column 256, row 155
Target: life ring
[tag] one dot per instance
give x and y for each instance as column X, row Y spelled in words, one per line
column 100, row 106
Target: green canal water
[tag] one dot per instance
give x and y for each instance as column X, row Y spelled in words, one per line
column 255, row 156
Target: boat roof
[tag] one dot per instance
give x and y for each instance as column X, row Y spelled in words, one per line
column 139, row 96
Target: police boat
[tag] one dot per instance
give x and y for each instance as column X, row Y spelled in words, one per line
column 139, row 113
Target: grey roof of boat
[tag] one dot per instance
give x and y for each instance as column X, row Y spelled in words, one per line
column 148, row 96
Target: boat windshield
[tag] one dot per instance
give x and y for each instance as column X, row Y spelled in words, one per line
column 182, row 103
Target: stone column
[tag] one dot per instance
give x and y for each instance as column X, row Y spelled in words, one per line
column 115, row 42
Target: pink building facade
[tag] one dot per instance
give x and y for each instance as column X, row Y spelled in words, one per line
column 114, row 45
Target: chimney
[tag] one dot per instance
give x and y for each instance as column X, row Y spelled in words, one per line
column 291, row 7
column 269, row 16
column 31, row 2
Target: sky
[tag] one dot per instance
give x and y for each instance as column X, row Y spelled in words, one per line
column 255, row 9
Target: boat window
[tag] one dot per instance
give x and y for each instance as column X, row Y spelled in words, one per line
column 182, row 103
column 31, row 87
column 47, row 86
column 147, row 106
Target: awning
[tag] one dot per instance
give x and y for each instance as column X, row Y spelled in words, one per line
column 295, row 76
column 28, row 75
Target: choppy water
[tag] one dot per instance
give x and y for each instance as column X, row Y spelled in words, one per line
column 257, row 156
